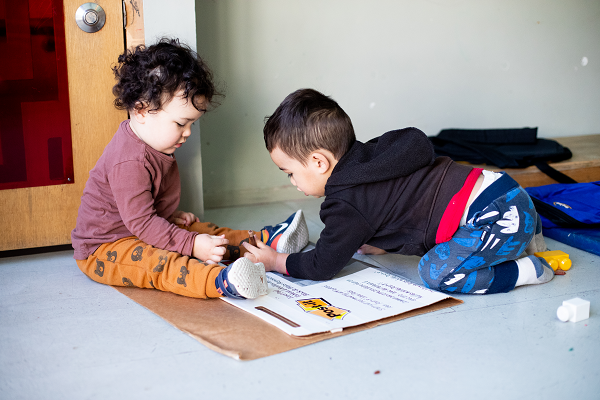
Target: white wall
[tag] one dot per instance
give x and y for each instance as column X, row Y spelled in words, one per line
column 177, row 18
column 390, row 64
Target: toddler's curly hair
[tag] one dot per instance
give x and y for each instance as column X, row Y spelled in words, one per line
column 151, row 76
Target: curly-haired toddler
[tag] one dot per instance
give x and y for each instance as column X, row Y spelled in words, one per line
column 129, row 231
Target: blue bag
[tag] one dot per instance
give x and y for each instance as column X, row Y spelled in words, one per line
column 568, row 205
column 570, row 213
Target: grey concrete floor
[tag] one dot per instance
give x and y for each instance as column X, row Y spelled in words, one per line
column 63, row 336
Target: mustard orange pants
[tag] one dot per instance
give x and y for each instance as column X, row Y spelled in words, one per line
column 131, row 262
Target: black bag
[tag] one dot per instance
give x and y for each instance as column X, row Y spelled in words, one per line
column 504, row 148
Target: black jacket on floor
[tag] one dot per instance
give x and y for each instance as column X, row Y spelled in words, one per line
column 390, row 192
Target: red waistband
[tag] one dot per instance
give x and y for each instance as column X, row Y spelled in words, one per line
column 456, row 208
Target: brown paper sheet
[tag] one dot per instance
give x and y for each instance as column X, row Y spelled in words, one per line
column 231, row 331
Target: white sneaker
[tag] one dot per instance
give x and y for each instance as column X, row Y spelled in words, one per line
column 290, row 236
column 243, row 279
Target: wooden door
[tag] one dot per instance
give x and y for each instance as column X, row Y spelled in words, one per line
column 45, row 215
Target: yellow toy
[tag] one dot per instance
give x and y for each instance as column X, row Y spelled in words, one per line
column 556, row 259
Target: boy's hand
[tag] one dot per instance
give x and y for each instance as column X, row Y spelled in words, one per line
column 183, row 218
column 272, row 260
column 209, row 248
column 366, row 249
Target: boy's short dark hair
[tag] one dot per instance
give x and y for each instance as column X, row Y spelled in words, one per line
column 307, row 121
column 151, row 76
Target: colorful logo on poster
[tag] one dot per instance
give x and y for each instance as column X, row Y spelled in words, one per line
column 322, row 308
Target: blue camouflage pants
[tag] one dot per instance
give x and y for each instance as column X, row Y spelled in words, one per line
column 479, row 258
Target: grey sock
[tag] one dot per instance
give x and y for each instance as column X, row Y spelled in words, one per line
column 533, row 270
column 543, row 270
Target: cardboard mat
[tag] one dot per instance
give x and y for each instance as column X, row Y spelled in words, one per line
column 231, row 331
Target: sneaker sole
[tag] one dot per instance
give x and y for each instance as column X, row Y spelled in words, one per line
column 249, row 279
column 295, row 237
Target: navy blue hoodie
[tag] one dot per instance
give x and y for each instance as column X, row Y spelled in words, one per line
column 390, row 192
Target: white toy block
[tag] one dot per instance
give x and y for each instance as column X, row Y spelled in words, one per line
column 574, row 310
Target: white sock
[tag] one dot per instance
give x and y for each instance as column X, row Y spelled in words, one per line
column 533, row 270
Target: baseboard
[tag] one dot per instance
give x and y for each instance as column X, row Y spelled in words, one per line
column 233, row 198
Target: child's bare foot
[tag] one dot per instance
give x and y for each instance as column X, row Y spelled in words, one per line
column 366, row 249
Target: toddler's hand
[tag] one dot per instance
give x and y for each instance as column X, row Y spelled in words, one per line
column 183, row 218
column 272, row 260
column 209, row 248
column 366, row 249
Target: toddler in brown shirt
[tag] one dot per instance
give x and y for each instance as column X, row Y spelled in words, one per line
column 129, row 231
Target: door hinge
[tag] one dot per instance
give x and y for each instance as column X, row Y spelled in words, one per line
column 124, row 14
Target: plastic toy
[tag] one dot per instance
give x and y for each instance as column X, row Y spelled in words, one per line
column 556, row 258
column 574, row 310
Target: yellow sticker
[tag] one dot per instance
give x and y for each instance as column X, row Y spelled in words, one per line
column 330, row 313
column 322, row 308
column 312, row 304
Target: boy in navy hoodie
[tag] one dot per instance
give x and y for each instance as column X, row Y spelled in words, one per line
column 392, row 194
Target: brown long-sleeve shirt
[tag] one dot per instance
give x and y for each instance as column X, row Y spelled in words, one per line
column 132, row 191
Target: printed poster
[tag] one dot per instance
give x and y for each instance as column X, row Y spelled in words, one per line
column 359, row 294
